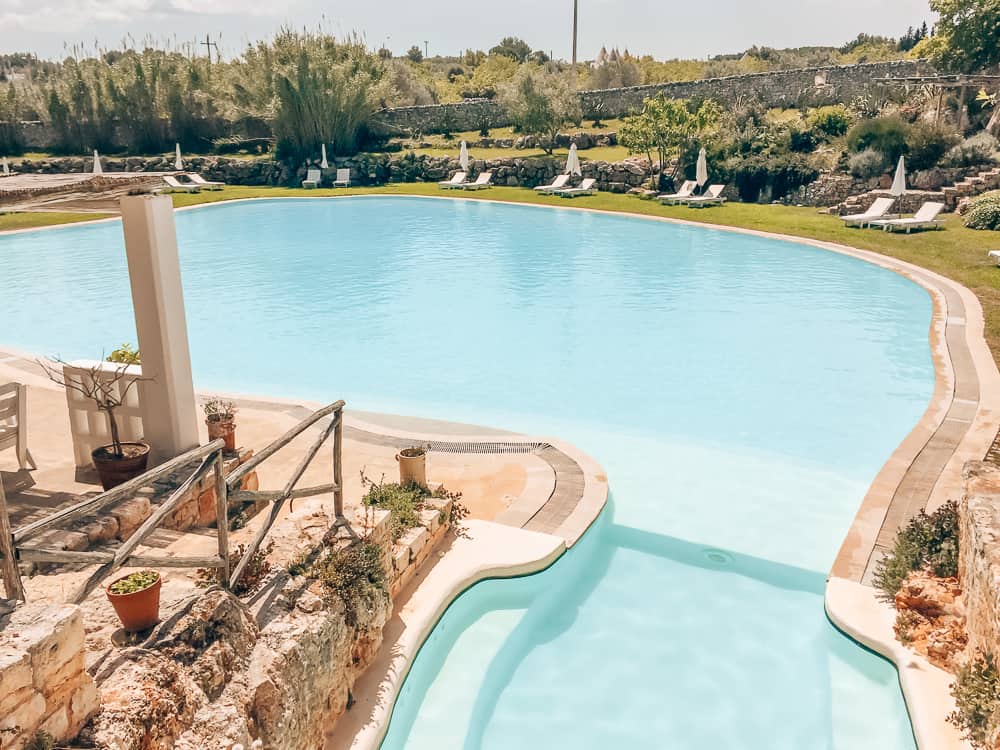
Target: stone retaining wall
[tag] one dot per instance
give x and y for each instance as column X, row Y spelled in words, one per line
column 979, row 556
column 43, row 683
column 781, row 88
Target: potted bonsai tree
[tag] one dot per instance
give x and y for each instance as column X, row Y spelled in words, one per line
column 118, row 461
column 220, row 418
column 413, row 465
column 136, row 599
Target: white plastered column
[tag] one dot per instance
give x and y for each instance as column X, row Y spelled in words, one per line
column 169, row 410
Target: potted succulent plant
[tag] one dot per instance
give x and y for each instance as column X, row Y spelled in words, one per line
column 136, row 599
column 413, row 465
column 118, row 461
column 220, row 418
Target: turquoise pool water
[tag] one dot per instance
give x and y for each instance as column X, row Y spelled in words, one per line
column 741, row 392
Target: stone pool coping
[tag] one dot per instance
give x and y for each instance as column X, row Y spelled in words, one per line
column 924, row 470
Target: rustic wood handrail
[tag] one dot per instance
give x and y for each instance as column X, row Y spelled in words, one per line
column 12, row 542
column 115, row 494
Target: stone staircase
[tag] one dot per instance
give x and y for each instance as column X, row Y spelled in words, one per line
column 971, row 186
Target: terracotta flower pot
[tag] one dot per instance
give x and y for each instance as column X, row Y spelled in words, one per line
column 139, row 610
column 114, row 470
column 222, row 429
column 412, row 466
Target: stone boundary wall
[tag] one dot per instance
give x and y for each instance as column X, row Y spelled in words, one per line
column 803, row 86
column 979, row 556
column 44, row 685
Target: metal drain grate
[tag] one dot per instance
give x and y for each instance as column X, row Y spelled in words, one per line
column 493, row 448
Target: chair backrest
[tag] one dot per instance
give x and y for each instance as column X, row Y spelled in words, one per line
column 880, row 206
column 687, row 187
column 172, row 181
column 714, row 191
column 313, row 175
column 9, row 395
column 929, row 211
column 343, row 175
column 484, row 177
column 588, row 184
column 458, row 177
column 560, row 180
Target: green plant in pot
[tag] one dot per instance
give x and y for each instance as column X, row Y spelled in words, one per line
column 220, row 418
column 108, row 388
column 136, row 599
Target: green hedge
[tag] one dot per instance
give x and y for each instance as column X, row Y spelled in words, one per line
column 984, row 212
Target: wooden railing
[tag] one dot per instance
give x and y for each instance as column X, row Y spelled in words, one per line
column 13, row 547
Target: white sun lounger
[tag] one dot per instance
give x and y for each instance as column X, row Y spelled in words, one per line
column 343, row 178
column 482, row 182
column 314, row 178
column 685, row 191
column 173, row 185
column 197, row 179
column 875, row 212
column 711, row 197
column 925, row 218
column 557, row 184
column 14, row 423
column 587, row 187
column 457, row 181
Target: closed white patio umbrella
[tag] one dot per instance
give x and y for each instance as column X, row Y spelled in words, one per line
column 701, row 170
column 463, row 157
column 97, row 164
column 178, row 162
column 323, row 162
column 6, row 167
column 899, row 181
column 573, row 161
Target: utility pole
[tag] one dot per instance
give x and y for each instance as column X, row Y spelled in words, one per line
column 575, row 22
column 425, row 48
column 208, row 48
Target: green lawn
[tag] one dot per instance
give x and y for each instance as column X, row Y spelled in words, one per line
column 44, row 219
column 956, row 252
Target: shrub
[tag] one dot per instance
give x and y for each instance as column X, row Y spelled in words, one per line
column 979, row 149
column 41, row 741
column 831, row 121
column 906, row 621
column 403, row 503
column 780, row 175
column 125, row 355
column 885, row 134
column 926, row 541
column 927, row 144
column 802, row 141
column 977, row 697
column 352, row 574
column 984, row 212
column 868, row 163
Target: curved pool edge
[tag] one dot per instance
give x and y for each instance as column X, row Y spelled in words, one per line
column 486, row 550
column 853, row 608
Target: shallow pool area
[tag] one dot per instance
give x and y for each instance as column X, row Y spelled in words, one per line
column 741, row 392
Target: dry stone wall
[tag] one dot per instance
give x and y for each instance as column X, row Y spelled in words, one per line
column 979, row 556
column 44, row 686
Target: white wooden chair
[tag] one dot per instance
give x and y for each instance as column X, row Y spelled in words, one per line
column 14, row 422
column 343, row 178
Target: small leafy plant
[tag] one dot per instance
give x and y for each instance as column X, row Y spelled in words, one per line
column 353, row 574
column 927, row 541
column 125, row 355
column 977, row 699
column 403, row 503
column 219, row 410
column 906, row 621
column 135, row 582
column 41, row 741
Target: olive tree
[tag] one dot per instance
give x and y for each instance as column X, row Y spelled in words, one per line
column 540, row 102
column 966, row 36
column 667, row 127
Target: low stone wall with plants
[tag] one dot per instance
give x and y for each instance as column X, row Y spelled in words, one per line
column 45, row 691
column 275, row 660
column 979, row 556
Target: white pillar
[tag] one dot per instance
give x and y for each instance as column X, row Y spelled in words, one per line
column 169, row 411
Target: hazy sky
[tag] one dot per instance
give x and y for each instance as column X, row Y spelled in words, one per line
column 664, row 28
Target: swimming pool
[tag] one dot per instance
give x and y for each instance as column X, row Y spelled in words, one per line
column 741, row 392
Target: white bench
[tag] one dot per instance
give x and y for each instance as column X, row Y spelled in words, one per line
column 995, row 254
column 14, row 422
